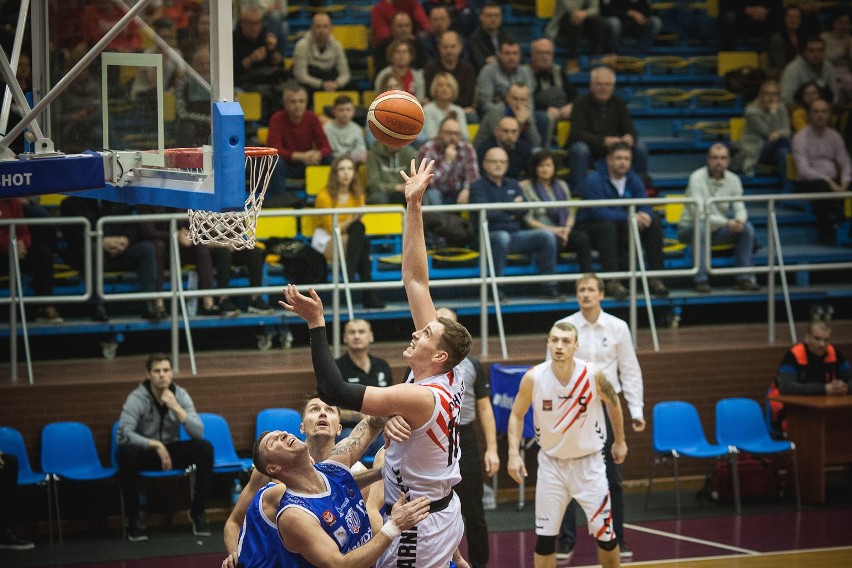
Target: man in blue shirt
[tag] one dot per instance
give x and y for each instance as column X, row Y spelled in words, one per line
column 615, row 180
column 506, row 228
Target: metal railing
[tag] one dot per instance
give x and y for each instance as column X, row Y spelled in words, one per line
column 486, row 281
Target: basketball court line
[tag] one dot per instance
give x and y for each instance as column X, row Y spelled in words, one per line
column 728, row 558
column 694, row 540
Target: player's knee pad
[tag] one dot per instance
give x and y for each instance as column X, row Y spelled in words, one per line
column 607, row 545
column 545, row 545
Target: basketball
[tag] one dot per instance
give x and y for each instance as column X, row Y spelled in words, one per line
column 395, row 118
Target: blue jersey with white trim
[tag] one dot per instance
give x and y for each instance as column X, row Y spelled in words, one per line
column 259, row 545
column 340, row 509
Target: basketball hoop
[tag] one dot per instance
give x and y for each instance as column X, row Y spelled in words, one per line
column 235, row 229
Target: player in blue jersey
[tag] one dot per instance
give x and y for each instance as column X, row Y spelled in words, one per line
column 321, row 426
column 319, row 511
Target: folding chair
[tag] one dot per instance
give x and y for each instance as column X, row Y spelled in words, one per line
column 677, row 432
column 12, row 443
column 68, row 452
column 152, row 473
column 505, row 380
column 285, row 419
column 217, row 432
column 740, row 423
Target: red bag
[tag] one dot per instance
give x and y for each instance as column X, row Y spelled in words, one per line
column 757, row 479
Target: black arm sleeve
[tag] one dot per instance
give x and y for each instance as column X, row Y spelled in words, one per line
column 331, row 387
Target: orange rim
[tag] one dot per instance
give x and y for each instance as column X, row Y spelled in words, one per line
column 252, row 151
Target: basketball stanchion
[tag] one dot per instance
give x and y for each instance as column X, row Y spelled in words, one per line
column 236, row 229
column 395, row 118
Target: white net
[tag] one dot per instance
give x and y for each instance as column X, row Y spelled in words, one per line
column 237, row 229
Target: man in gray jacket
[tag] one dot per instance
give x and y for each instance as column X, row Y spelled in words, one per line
column 149, row 439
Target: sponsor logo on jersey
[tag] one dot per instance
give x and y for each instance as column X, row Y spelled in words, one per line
column 328, row 517
column 547, row 405
column 353, row 521
column 341, row 536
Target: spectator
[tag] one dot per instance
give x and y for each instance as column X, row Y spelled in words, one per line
column 450, row 61
column 822, row 165
column 224, row 258
column 811, row 367
column 601, row 119
column 99, row 17
column 615, row 180
column 192, row 103
column 9, row 493
column 766, row 134
column 343, row 190
column 838, row 50
column 149, row 439
column 402, row 29
column 486, row 39
column 144, row 85
column 359, row 366
column 784, row 45
column 507, row 231
column 383, row 12
column 810, row 65
column 198, row 33
column 542, row 187
column 516, row 104
column 411, row 80
column 455, row 168
column 552, row 92
column 439, row 18
column 630, row 18
column 275, row 20
column 495, row 78
column 804, row 96
column 123, row 249
column 258, row 63
column 475, row 405
column 383, row 166
column 575, row 19
column 35, row 256
column 462, row 13
column 199, row 255
column 752, row 19
column 443, row 91
column 604, row 341
column 319, row 61
column 345, row 137
column 728, row 219
column 298, row 136
column 507, row 136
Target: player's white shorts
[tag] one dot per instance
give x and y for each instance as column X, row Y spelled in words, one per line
column 584, row 480
column 430, row 544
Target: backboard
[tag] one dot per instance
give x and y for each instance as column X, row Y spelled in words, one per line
column 127, row 83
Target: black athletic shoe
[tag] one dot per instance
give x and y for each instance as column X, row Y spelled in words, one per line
column 199, row 524
column 624, row 552
column 136, row 531
column 564, row 552
column 9, row 541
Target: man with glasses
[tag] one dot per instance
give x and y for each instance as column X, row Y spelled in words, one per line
column 455, row 167
column 517, row 104
column 599, row 120
column 813, row 366
column 507, row 136
column 507, row 230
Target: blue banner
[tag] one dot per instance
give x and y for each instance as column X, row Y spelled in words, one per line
column 38, row 176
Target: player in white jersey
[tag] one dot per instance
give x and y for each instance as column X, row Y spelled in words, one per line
column 427, row 463
column 570, row 428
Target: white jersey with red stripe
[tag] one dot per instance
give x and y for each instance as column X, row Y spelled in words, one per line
column 569, row 419
column 427, row 463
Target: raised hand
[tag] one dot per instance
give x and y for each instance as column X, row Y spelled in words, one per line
column 419, row 180
column 307, row 308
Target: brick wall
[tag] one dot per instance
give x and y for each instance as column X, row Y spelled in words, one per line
column 700, row 377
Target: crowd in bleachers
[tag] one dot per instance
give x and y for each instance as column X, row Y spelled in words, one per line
column 484, row 84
